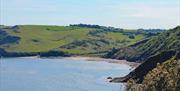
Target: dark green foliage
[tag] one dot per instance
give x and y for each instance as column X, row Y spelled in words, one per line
column 86, row 25
column 113, row 50
column 2, row 52
column 52, row 53
column 99, row 28
column 151, row 31
column 7, row 39
column 164, row 77
column 131, row 36
column 35, row 40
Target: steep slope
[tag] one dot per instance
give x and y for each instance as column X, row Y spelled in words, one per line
column 151, row 52
column 169, row 40
column 164, row 77
column 142, row 70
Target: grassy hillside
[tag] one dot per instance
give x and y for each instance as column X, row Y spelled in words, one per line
column 74, row 39
column 141, row 51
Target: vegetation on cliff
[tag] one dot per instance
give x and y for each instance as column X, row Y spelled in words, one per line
column 152, row 51
column 164, row 77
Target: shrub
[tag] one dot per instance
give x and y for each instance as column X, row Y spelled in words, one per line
column 165, row 77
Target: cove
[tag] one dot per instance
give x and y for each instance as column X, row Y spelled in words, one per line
column 59, row 74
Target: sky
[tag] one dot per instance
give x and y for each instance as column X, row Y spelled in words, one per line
column 131, row 14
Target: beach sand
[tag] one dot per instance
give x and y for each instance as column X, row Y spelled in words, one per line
column 132, row 64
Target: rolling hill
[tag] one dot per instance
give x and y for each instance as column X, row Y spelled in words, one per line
column 80, row 39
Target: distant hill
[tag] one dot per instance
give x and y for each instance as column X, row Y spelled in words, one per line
column 141, row 51
column 79, row 39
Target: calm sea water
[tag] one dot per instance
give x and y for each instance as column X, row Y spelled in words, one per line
column 36, row 74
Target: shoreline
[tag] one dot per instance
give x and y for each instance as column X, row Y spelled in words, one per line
column 131, row 64
column 97, row 59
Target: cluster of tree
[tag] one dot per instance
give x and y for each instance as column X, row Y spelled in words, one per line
column 150, row 32
column 154, row 31
column 51, row 53
column 132, row 36
column 85, row 25
column 103, row 28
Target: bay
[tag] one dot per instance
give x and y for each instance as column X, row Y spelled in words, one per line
column 59, row 74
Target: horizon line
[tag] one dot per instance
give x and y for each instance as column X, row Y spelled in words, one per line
column 81, row 23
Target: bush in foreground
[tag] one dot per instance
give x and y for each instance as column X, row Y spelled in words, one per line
column 165, row 77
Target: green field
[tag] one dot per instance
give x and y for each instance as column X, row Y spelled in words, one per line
column 70, row 39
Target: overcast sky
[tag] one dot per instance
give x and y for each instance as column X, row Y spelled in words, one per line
column 131, row 14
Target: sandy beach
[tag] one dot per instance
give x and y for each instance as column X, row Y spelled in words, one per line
column 132, row 64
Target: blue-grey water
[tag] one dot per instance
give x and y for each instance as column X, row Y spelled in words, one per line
column 36, row 74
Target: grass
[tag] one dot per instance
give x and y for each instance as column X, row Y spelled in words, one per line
column 119, row 37
column 41, row 38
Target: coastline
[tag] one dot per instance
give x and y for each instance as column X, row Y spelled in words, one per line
column 99, row 59
column 131, row 64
